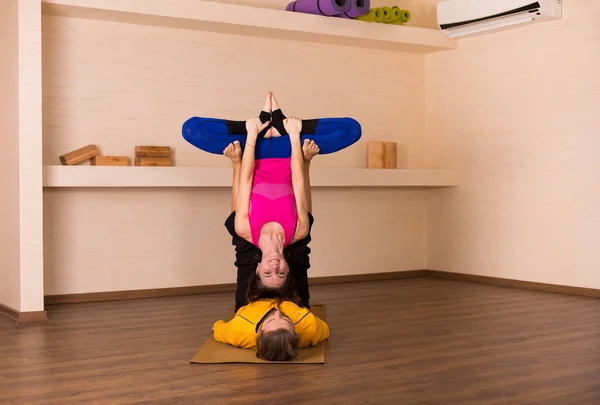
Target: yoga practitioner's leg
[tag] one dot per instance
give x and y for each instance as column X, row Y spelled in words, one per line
column 212, row 135
column 244, row 274
column 299, row 263
column 247, row 257
column 334, row 134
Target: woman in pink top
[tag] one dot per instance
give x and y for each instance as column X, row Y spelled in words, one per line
column 272, row 202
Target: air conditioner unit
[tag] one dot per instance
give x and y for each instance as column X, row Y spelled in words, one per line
column 462, row 18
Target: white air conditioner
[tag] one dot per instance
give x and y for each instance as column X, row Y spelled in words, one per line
column 462, row 18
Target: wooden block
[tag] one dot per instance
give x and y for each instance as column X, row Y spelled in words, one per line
column 79, row 155
column 152, row 151
column 153, row 161
column 391, row 153
column 376, row 155
column 110, row 161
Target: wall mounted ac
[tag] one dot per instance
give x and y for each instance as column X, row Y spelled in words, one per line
column 462, row 18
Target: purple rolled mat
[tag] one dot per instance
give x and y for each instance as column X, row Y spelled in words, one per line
column 357, row 8
column 322, row 7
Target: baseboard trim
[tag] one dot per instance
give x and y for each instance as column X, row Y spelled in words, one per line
column 137, row 294
column 342, row 279
column 214, row 288
column 360, row 278
column 21, row 317
column 506, row 282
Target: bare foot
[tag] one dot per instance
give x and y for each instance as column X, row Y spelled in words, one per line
column 234, row 152
column 309, row 150
column 267, row 108
column 274, row 106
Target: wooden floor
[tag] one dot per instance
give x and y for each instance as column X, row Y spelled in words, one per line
column 416, row 341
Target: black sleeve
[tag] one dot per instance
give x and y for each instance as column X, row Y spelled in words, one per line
column 298, row 257
column 243, row 278
column 309, row 126
column 247, row 257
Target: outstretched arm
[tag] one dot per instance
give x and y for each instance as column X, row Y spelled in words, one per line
column 242, row 225
column 234, row 152
column 226, row 332
column 293, row 127
column 237, row 168
column 311, row 330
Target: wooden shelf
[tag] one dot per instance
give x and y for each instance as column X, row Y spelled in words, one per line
column 254, row 21
column 136, row 176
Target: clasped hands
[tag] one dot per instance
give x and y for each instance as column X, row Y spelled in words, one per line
column 254, row 126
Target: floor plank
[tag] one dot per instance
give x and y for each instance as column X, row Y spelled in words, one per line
column 414, row 341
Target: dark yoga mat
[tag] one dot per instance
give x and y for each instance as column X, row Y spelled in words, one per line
column 357, row 8
column 321, row 7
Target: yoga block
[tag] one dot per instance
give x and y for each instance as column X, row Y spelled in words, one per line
column 153, row 161
column 391, row 153
column 79, row 155
column 376, row 155
column 152, row 151
column 109, row 161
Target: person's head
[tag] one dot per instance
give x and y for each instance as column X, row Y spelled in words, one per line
column 277, row 340
column 257, row 290
column 273, row 270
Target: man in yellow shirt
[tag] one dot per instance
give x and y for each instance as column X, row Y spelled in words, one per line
column 275, row 328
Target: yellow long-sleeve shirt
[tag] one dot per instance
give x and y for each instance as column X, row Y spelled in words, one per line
column 241, row 331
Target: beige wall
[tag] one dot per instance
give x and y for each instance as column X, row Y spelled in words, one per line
column 517, row 112
column 119, row 85
column 514, row 111
column 9, row 164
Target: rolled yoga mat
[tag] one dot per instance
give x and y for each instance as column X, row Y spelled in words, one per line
column 374, row 15
column 320, row 7
column 392, row 15
column 357, row 8
column 403, row 17
column 389, row 15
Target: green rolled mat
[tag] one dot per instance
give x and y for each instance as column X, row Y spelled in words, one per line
column 374, row 15
column 387, row 13
column 391, row 14
column 403, row 17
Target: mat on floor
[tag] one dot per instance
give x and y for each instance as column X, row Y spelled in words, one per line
column 217, row 352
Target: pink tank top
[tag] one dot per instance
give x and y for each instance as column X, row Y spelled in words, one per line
column 272, row 198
